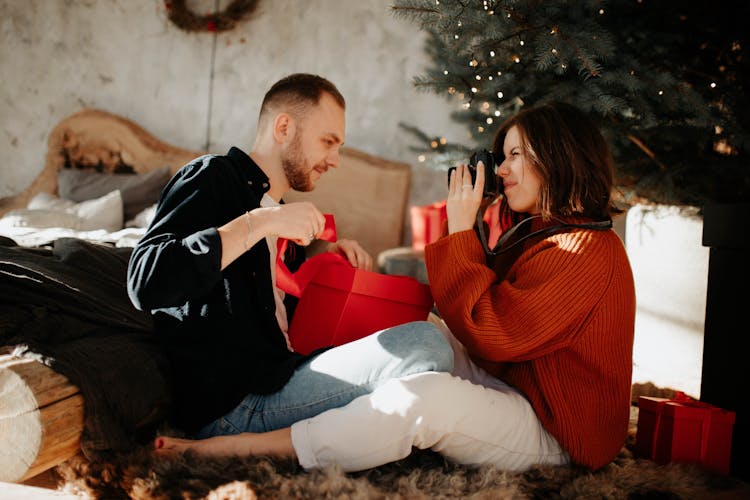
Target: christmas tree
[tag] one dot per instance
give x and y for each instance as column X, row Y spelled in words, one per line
column 663, row 78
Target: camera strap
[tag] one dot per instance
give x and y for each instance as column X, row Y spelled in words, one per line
column 497, row 250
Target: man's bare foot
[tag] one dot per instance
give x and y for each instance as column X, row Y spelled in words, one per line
column 274, row 443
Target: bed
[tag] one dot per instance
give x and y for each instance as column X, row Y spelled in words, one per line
column 79, row 368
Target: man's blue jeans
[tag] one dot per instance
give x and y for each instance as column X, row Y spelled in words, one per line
column 339, row 375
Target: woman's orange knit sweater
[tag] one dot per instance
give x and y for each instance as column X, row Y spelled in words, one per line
column 555, row 320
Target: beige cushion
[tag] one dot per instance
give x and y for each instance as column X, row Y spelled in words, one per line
column 367, row 196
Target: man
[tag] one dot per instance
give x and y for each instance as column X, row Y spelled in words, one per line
column 206, row 271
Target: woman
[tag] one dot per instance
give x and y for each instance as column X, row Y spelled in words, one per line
column 542, row 324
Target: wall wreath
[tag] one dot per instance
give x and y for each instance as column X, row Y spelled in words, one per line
column 180, row 14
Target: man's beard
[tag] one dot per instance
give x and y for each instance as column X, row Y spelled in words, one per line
column 293, row 163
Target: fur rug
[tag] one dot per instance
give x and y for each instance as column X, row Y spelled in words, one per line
column 423, row 475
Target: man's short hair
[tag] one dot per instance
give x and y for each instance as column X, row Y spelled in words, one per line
column 295, row 93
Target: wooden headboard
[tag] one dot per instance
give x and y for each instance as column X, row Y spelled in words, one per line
column 102, row 141
column 368, row 195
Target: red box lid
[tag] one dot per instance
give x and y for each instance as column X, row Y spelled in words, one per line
column 402, row 289
column 685, row 409
column 650, row 403
column 699, row 411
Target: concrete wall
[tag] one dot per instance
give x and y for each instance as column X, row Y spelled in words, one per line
column 126, row 57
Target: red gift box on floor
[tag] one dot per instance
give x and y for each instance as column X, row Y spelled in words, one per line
column 341, row 303
column 427, row 224
column 684, row 430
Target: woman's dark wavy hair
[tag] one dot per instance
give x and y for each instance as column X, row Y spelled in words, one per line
column 570, row 155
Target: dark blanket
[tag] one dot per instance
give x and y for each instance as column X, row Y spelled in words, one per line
column 69, row 305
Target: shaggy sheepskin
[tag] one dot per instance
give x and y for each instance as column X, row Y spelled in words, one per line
column 423, row 475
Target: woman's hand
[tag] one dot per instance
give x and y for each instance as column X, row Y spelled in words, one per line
column 464, row 198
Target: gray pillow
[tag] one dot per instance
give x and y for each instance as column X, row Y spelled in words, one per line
column 138, row 191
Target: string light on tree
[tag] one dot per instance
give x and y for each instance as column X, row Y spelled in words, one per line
column 615, row 52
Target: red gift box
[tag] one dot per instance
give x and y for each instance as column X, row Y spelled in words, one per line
column 684, row 430
column 427, row 224
column 340, row 304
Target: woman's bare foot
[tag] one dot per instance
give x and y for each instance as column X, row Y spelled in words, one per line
column 274, row 443
column 219, row 446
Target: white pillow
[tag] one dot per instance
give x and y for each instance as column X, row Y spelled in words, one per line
column 45, row 210
column 143, row 218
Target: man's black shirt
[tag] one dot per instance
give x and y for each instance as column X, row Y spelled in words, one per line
column 218, row 328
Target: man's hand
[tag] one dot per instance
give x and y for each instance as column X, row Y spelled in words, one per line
column 355, row 254
column 300, row 222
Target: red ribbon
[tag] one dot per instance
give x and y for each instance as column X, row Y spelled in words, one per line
column 294, row 283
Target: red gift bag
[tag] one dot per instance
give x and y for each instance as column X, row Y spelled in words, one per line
column 340, row 303
column 427, row 224
column 684, row 430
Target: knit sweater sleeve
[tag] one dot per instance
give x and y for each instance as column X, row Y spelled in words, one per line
column 534, row 310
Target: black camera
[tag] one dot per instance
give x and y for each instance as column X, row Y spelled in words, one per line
column 491, row 186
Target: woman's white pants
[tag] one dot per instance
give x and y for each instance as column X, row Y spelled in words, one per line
column 468, row 416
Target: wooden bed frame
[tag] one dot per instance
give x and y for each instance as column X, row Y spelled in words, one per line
column 41, row 414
